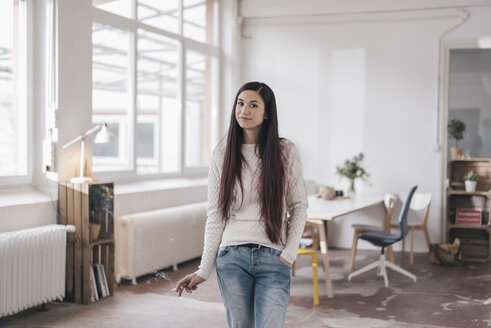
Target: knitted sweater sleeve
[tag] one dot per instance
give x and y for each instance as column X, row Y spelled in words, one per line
column 296, row 203
column 214, row 223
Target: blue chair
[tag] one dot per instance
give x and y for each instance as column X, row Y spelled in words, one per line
column 384, row 239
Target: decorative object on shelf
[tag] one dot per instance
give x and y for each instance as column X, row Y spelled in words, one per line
column 470, row 179
column 353, row 169
column 95, row 230
column 456, row 129
column 103, row 136
column 327, row 192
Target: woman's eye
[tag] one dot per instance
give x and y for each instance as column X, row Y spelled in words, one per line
column 253, row 105
column 240, row 103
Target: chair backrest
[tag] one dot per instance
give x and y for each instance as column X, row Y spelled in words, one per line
column 403, row 215
column 421, row 201
column 389, row 201
column 418, row 210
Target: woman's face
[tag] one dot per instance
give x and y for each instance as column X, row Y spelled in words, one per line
column 249, row 111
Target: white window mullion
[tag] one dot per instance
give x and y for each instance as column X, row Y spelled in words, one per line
column 132, row 71
column 180, row 15
column 134, row 9
column 182, row 84
column 158, row 131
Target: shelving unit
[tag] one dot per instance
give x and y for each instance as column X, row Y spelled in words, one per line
column 86, row 206
column 475, row 238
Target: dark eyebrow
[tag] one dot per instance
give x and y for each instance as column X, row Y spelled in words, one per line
column 250, row 101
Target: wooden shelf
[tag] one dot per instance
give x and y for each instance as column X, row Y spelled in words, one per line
column 471, row 160
column 101, row 241
column 470, row 193
column 83, row 205
column 469, row 226
column 475, row 238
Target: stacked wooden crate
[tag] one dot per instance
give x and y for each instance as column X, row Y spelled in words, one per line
column 84, row 205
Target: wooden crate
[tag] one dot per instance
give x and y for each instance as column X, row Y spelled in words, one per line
column 480, row 166
column 475, row 243
column 80, row 205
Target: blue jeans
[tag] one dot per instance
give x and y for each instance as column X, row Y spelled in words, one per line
column 255, row 286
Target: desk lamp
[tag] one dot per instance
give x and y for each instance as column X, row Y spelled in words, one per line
column 103, row 136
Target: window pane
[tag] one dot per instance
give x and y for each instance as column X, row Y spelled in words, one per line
column 200, row 109
column 161, row 14
column 110, row 98
column 198, row 20
column 13, row 141
column 157, row 103
column 118, row 7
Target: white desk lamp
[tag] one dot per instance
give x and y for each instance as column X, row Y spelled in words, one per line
column 103, row 136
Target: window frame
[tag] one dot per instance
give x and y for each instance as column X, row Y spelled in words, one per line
column 131, row 26
column 25, row 96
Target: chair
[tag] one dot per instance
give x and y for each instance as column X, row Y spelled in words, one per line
column 384, row 239
column 313, row 253
column 310, row 231
column 389, row 202
column 420, row 202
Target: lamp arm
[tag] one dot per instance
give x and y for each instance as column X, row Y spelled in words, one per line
column 83, row 135
column 77, row 139
column 93, row 130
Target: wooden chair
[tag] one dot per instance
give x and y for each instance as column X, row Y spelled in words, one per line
column 315, row 278
column 421, row 202
column 359, row 229
column 312, row 251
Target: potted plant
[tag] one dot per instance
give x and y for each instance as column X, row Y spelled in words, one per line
column 470, row 179
column 456, row 129
column 353, row 170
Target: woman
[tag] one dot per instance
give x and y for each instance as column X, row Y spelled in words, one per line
column 257, row 207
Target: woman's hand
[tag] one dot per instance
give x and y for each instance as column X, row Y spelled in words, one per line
column 285, row 262
column 189, row 283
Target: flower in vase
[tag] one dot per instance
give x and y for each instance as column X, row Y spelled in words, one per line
column 353, row 169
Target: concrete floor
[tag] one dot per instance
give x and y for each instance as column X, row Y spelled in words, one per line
column 442, row 297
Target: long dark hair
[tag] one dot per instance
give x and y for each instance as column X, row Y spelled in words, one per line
column 272, row 177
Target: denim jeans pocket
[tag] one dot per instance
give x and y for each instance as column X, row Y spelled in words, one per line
column 222, row 252
column 277, row 257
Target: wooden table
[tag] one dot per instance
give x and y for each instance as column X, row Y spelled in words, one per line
column 321, row 211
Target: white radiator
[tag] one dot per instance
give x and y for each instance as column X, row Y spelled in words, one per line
column 32, row 267
column 150, row 241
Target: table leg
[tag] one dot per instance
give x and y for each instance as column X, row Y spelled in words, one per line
column 322, row 228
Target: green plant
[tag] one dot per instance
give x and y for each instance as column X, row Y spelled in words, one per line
column 470, row 176
column 353, row 170
column 456, row 129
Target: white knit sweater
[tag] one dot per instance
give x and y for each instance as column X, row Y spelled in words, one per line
column 245, row 224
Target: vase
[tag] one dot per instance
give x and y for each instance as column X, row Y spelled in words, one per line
column 351, row 190
column 470, row 186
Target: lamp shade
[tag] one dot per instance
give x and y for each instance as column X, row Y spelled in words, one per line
column 104, row 135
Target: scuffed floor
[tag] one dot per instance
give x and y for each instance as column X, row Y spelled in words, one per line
column 442, row 297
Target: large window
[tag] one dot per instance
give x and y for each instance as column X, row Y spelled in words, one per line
column 13, row 77
column 155, row 84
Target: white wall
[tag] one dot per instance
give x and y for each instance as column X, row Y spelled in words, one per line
column 355, row 82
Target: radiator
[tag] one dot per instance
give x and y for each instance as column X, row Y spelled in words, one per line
column 150, row 241
column 32, row 267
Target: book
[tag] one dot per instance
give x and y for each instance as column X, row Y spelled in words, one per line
column 104, row 280
column 94, row 296
column 99, row 280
